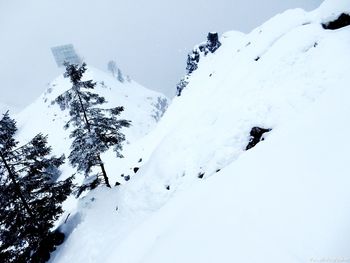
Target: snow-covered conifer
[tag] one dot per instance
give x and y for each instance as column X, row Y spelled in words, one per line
column 112, row 67
column 30, row 197
column 95, row 130
column 120, row 76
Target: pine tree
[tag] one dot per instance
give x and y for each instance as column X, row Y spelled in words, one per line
column 112, row 67
column 30, row 198
column 115, row 71
column 95, row 130
column 120, row 76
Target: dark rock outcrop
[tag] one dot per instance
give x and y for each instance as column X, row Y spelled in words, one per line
column 256, row 135
column 201, row 175
column 342, row 21
column 213, row 42
column 127, row 178
column 210, row 46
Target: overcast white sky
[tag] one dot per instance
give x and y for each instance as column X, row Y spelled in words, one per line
column 149, row 39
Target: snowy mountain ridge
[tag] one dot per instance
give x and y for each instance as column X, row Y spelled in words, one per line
column 199, row 196
column 144, row 107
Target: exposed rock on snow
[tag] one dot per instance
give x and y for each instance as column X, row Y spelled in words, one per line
column 342, row 21
column 256, row 135
column 212, row 44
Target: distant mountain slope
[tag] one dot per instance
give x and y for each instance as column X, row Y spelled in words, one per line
column 199, row 196
column 142, row 106
column 4, row 108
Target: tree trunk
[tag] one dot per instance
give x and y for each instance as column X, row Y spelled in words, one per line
column 84, row 112
column 17, row 187
column 104, row 173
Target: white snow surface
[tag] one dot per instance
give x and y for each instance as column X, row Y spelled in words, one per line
column 285, row 200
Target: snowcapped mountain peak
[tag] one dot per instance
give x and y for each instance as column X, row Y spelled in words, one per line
column 144, row 107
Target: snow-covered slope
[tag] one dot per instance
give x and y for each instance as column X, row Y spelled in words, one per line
column 285, row 200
